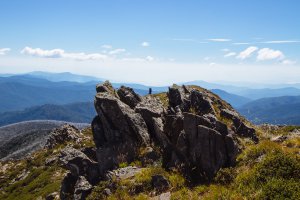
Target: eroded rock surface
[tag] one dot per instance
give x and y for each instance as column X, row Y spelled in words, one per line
column 189, row 131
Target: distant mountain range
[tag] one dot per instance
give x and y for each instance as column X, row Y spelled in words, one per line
column 275, row 110
column 43, row 95
column 235, row 100
column 75, row 112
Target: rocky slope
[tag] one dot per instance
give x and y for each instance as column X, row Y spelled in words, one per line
column 20, row 139
column 183, row 144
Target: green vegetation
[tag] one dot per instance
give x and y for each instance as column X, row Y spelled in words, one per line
column 30, row 178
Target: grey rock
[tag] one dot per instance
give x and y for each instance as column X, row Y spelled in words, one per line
column 67, row 187
column 128, row 96
column 105, row 87
column 119, row 121
column 61, row 135
column 79, row 164
column 123, row 173
column 82, row 188
column 175, row 96
column 200, row 103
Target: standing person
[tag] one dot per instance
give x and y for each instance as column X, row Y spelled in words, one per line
column 150, row 90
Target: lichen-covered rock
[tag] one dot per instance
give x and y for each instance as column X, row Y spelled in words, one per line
column 61, row 135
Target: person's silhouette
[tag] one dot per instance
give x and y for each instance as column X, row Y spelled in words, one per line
column 150, row 90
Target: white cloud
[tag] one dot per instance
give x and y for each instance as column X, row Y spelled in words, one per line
column 269, row 54
column 230, row 54
column 188, row 40
column 281, row 41
column 145, row 44
column 3, row 51
column 219, row 40
column 288, row 62
column 106, row 46
column 116, row 51
column 212, row 64
column 149, row 58
column 241, row 43
column 60, row 53
column 247, row 52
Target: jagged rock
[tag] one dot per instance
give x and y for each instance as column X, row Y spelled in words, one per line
column 90, row 152
column 82, row 188
column 119, row 121
column 128, row 96
column 175, row 96
column 118, row 132
column 79, row 164
column 150, row 107
column 105, row 87
column 61, row 135
column 123, row 173
column 240, row 127
column 207, row 158
column 188, row 132
column 160, row 183
column 229, row 114
column 67, row 187
column 200, row 104
column 243, row 130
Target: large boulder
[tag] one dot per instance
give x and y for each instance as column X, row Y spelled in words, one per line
column 118, row 130
column 79, row 164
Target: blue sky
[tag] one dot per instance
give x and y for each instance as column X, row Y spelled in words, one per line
column 154, row 42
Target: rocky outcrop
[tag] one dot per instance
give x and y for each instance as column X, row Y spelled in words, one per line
column 239, row 125
column 189, row 132
column 61, row 135
column 83, row 173
column 118, row 131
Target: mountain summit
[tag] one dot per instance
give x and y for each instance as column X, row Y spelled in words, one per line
column 185, row 143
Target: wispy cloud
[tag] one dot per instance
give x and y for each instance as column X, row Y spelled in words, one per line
column 269, row 54
column 219, row 40
column 3, row 51
column 230, row 54
column 116, row 51
column 247, row 52
column 241, row 43
column 139, row 59
column 60, row 53
column 280, row 41
column 145, row 44
column 188, row 40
